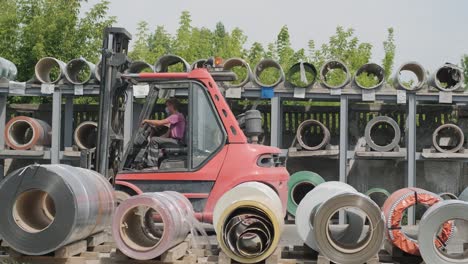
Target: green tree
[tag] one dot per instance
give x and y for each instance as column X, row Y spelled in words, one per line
column 141, row 49
column 283, row 48
column 389, row 47
column 183, row 36
column 255, row 54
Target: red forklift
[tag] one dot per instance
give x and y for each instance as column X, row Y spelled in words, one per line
column 215, row 154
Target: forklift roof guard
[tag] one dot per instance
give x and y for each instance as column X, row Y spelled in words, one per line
column 218, row 76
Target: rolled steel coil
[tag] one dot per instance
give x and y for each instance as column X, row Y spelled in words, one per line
column 248, row 221
column 237, row 62
column 330, row 66
column 23, row 132
column 394, row 208
column 349, row 253
column 371, row 137
column 139, row 66
column 50, row 70
column 464, row 195
column 374, row 69
column 45, row 207
column 302, row 68
column 85, row 135
column 448, row 196
column 448, row 77
column 164, row 62
column 378, row 195
column 299, row 184
column 301, row 130
column 147, row 225
column 266, row 64
column 79, row 71
column 415, row 68
column 316, row 210
column 429, row 227
column 8, row 69
column 448, row 138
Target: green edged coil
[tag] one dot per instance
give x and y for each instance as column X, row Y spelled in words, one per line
column 381, row 191
column 299, row 184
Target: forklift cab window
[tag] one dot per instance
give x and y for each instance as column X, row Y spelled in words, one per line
column 203, row 134
column 207, row 134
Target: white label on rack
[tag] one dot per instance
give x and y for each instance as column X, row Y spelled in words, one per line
column 17, row 87
column 401, row 97
column 140, row 90
column 234, row 93
column 368, row 95
column 335, row 91
column 299, row 92
column 78, row 89
column 47, row 88
column 445, row 97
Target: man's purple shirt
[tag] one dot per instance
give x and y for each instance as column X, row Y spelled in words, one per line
column 177, row 127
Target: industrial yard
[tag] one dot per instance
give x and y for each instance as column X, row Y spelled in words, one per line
column 204, row 147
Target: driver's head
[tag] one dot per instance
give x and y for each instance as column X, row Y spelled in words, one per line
column 172, row 105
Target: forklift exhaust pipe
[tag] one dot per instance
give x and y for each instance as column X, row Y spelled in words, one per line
column 85, row 135
column 372, row 70
column 248, row 222
column 140, row 66
column 265, row 65
column 147, row 225
column 164, row 62
column 382, row 134
column 448, row 138
column 23, row 132
column 50, row 70
column 7, row 69
column 79, row 71
column 307, row 140
column 448, row 77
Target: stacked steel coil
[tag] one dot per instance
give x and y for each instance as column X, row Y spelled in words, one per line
column 85, row 135
column 23, row 132
column 147, row 225
column 380, row 141
column 394, row 209
column 316, row 210
column 248, row 221
column 304, row 138
column 45, row 207
column 437, row 216
column 299, row 185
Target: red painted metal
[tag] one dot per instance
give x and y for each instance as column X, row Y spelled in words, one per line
column 236, row 163
column 129, row 185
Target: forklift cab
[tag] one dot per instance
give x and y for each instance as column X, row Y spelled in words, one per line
column 215, row 155
column 204, row 134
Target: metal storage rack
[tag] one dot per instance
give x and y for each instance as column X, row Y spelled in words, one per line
column 54, row 154
column 347, row 95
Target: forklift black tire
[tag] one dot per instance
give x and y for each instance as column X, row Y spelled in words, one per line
column 121, row 196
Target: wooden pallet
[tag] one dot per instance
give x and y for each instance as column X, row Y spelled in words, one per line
column 79, row 252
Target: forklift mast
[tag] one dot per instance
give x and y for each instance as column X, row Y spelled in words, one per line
column 112, row 100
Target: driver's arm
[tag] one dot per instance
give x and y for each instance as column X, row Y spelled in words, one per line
column 163, row 122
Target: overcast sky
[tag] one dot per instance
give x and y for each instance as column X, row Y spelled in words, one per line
column 429, row 31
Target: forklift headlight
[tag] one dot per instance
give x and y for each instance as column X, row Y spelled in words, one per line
column 269, row 160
